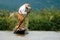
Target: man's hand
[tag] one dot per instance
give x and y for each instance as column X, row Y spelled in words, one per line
column 28, row 11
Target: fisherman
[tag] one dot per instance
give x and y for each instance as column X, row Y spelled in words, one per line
column 23, row 11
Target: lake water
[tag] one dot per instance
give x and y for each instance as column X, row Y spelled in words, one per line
column 35, row 4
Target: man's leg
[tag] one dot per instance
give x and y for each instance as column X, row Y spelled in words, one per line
column 20, row 17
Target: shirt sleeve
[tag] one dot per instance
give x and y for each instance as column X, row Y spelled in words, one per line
column 22, row 10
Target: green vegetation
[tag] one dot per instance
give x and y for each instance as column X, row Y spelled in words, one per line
column 45, row 19
column 7, row 22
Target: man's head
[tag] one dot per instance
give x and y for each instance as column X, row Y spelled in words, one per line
column 27, row 6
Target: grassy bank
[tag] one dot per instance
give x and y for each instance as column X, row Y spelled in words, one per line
column 45, row 19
